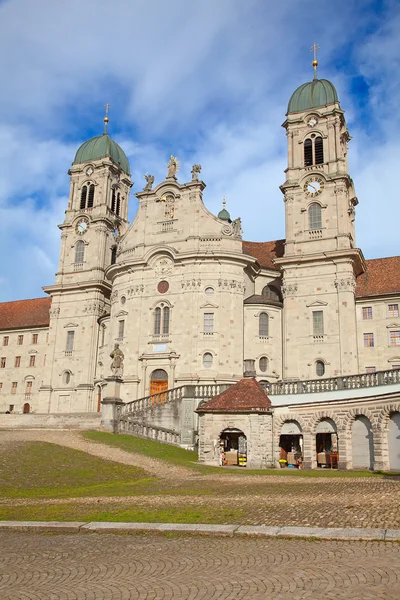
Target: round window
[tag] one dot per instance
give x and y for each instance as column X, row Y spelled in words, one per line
column 209, row 291
column 320, row 368
column 263, row 364
column 163, row 287
column 123, row 299
column 207, row 360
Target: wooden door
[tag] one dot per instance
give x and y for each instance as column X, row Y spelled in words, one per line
column 158, row 386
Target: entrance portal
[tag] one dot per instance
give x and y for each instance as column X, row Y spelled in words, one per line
column 233, row 447
column 27, row 408
column 327, row 444
column 291, row 445
column 158, row 381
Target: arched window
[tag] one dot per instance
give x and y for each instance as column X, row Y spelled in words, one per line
column 313, row 151
column 319, row 151
column 263, row 364
column 91, row 196
column 161, row 320
column 67, row 377
column 263, row 325
column 118, row 205
column 113, row 201
column 314, row 216
column 113, row 255
column 271, row 292
column 83, row 197
column 79, row 251
column 207, row 360
column 320, row 368
column 308, row 153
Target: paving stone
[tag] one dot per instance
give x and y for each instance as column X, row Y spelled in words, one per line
column 108, row 566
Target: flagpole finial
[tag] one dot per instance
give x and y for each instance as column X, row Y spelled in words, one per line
column 314, row 63
column 106, row 119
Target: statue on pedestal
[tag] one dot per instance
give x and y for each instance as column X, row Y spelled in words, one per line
column 117, row 365
column 196, row 169
column 149, row 184
column 173, row 167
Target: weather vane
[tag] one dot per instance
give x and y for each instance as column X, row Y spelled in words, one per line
column 106, row 119
column 314, row 63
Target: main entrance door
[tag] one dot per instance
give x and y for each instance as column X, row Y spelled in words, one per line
column 158, row 381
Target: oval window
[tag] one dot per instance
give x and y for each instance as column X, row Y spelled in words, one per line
column 263, row 364
column 209, row 291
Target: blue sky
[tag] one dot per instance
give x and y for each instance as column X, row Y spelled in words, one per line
column 206, row 81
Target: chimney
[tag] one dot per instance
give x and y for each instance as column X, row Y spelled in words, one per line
column 249, row 368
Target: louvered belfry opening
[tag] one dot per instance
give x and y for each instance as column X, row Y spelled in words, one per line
column 91, row 196
column 308, row 153
column 83, row 197
column 319, row 151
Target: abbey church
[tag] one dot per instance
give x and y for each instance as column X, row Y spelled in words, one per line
column 186, row 299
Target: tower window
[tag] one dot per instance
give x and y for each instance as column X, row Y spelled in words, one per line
column 263, row 364
column 79, row 251
column 314, row 216
column 113, row 201
column 118, row 205
column 308, row 153
column 113, row 255
column 313, row 151
column 320, row 368
column 121, row 329
column 90, row 196
column 271, row 292
column 208, row 323
column 263, row 325
column 83, row 197
column 70, row 341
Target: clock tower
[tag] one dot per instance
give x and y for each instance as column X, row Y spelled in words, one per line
column 321, row 262
column 95, row 219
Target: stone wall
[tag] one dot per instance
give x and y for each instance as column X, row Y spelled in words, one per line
column 80, row 421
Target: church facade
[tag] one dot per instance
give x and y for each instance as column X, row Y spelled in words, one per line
column 186, row 298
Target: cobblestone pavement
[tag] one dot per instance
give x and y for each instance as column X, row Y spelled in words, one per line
column 37, row 566
column 261, row 500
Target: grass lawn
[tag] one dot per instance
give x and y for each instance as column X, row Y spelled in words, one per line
column 188, row 458
column 43, row 470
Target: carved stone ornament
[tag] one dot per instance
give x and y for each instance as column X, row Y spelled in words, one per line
column 54, row 312
column 196, row 169
column 289, row 289
column 135, row 290
column 163, row 266
column 232, row 285
column 227, row 229
column 94, row 308
column 150, row 180
column 114, row 296
column 346, row 284
column 191, row 284
column 288, row 198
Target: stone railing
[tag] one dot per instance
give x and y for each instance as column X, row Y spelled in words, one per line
column 148, row 402
column 333, row 384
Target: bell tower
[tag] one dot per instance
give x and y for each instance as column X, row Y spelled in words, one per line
column 321, row 262
column 95, row 219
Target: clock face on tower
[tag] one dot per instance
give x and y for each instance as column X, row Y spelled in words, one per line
column 82, row 226
column 314, row 186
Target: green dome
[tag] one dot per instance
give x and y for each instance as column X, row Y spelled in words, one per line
column 102, row 146
column 224, row 215
column 312, row 94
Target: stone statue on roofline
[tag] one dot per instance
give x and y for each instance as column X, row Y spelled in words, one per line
column 237, row 227
column 196, row 169
column 173, row 167
column 150, row 180
column 117, row 365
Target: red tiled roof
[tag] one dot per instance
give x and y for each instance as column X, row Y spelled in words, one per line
column 265, row 252
column 381, row 277
column 25, row 313
column 245, row 396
